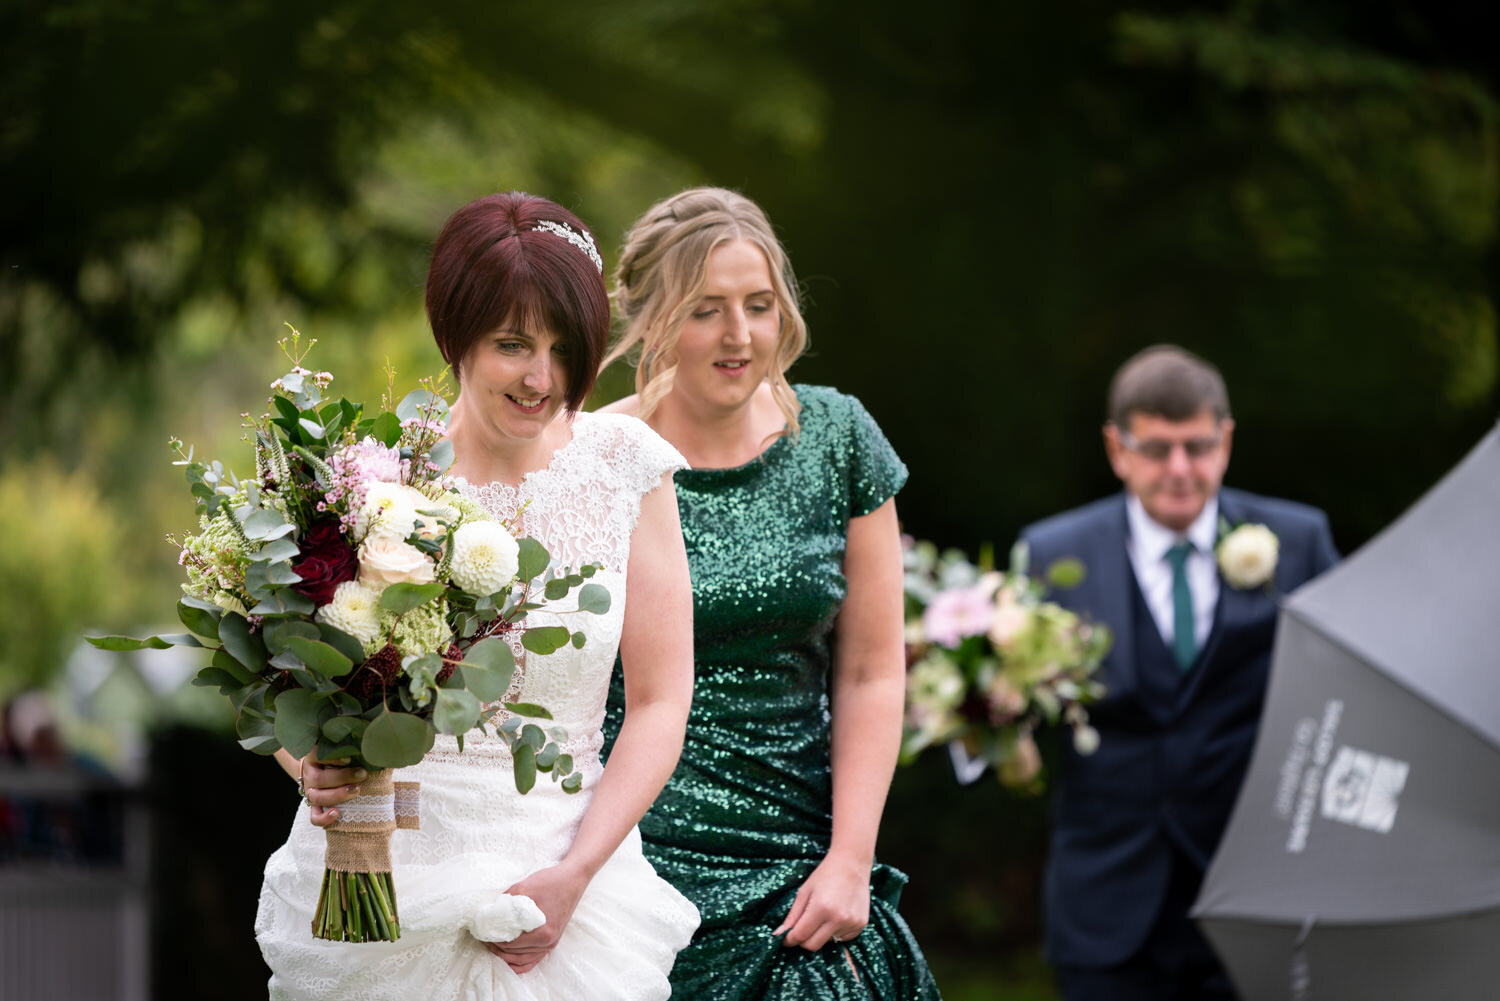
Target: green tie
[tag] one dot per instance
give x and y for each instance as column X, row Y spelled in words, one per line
column 1184, row 645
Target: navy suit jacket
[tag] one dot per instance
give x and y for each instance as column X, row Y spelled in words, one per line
column 1164, row 778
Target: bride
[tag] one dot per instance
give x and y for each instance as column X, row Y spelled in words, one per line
column 546, row 895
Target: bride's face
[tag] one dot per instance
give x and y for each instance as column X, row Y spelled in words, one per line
column 728, row 342
column 516, row 381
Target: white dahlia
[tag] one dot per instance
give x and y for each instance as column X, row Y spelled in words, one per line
column 485, row 557
column 355, row 609
column 388, row 510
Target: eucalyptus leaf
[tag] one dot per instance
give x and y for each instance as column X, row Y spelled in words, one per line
column 532, row 559
column 127, row 643
column 211, row 677
column 564, row 764
column 594, row 598
column 232, row 667
column 573, row 783
column 534, row 735
column 441, row 455
column 421, row 403
column 487, row 684
column 178, row 639
column 545, row 639
column 266, row 524
column 243, row 645
column 578, row 640
column 547, row 756
column 345, row 728
column 200, row 620
column 456, row 710
column 321, row 657
column 256, row 733
column 297, row 720
column 396, row 740
column 279, row 631
column 343, row 643
column 493, row 655
column 556, row 588
column 402, row 598
column 525, row 765
column 311, row 427
column 282, row 603
column 278, row 549
column 528, row 709
column 587, row 570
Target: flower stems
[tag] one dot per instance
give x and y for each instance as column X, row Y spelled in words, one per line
column 356, row 907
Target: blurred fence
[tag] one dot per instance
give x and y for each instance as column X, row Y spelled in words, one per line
column 74, row 887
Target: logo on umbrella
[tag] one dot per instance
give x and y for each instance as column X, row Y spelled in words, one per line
column 1362, row 788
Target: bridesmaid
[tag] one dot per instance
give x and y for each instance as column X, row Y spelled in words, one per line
column 769, row 823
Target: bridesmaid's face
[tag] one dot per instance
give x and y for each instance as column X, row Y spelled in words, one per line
column 516, row 381
column 728, row 342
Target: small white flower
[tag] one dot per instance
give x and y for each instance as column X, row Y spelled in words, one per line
column 384, row 560
column 355, row 609
column 388, row 510
column 1247, row 556
column 1085, row 739
column 485, row 557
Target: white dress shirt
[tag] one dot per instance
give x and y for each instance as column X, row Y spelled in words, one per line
column 1148, row 545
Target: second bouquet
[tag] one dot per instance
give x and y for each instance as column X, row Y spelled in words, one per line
column 356, row 604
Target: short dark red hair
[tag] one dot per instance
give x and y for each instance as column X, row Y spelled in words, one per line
column 491, row 267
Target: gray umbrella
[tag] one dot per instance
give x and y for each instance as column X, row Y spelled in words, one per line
column 1363, row 857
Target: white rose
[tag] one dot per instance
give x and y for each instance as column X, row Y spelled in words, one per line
column 1010, row 620
column 485, row 557
column 384, row 560
column 1247, row 556
column 388, row 510
column 355, row 609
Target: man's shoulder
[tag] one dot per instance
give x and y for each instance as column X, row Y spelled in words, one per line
column 1277, row 513
column 1100, row 516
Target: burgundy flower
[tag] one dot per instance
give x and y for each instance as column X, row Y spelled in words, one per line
column 379, row 671
column 325, row 562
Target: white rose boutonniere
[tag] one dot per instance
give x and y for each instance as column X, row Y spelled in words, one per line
column 1247, row 554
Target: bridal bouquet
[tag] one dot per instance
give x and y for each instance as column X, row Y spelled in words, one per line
column 355, row 603
column 990, row 661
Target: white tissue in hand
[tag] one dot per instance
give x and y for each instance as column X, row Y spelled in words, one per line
column 505, row 918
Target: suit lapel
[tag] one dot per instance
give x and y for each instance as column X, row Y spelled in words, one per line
column 1114, row 584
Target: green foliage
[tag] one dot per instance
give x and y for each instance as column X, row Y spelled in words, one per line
column 59, row 569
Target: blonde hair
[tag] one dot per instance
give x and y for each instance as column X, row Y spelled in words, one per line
column 662, row 272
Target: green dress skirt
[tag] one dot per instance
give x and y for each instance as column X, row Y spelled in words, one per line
column 748, row 814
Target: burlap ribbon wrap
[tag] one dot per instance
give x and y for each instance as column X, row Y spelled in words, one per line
column 360, row 840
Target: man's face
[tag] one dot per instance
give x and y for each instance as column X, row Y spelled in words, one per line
column 1174, row 467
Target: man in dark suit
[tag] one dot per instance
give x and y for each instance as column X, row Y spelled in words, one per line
column 1193, row 615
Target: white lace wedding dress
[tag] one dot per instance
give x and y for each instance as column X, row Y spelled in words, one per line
column 478, row 835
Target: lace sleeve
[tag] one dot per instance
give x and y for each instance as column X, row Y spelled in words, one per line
column 639, row 457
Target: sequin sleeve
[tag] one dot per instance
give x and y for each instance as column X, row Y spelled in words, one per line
column 876, row 473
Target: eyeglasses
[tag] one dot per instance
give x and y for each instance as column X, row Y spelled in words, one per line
column 1158, row 450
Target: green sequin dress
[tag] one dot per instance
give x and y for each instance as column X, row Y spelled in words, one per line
column 748, row 814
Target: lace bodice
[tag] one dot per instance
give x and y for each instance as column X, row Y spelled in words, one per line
column 583, row 507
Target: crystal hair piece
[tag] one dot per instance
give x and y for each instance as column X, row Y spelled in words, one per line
column 582, row 241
